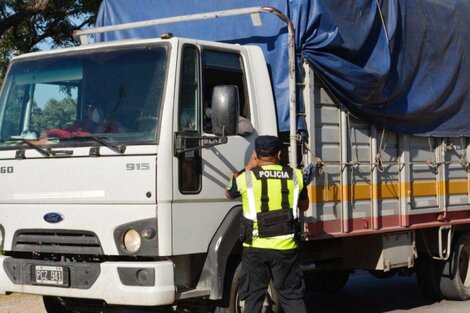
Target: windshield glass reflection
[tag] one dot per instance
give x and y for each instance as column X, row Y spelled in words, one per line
column 112, row 93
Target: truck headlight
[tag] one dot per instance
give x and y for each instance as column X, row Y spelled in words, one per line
column 132, row 240
column 139, row 238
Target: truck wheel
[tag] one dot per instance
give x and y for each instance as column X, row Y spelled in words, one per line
column 55, row 305
column 455, row 279
column 236, row 305
column 332, row 281
column 428, row 274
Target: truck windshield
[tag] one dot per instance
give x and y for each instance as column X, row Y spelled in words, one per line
column 116, row 92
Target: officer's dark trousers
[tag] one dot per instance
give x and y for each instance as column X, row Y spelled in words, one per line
column 259, row 266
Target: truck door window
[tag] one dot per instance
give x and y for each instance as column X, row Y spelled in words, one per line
column 222, row 68
column 189, row 91
column 190, row 163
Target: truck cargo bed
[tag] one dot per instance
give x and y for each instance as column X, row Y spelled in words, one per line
column 370, row 180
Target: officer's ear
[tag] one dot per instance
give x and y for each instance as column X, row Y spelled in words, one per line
column 279, row 155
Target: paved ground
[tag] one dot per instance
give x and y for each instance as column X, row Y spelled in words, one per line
column 362, row 294
column 21, row 304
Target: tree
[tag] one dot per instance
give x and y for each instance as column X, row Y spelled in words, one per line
column 26, row 23
column 56, row 114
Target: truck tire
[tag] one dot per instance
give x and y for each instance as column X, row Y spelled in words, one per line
column 55, row 305
column 455, row 279
column 332, row 281
column 428, row 274
column 271, row 302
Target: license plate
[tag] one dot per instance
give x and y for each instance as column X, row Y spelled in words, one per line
column 50, row 275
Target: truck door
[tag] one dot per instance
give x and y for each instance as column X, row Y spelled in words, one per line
column 199, row 202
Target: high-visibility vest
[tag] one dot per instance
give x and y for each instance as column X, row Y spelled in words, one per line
column 250, row 188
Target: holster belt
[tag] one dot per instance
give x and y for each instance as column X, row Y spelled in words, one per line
column 270, row 224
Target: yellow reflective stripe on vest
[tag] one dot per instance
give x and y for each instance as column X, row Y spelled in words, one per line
column 295, row 201
column 283, row 236
column 251, row 197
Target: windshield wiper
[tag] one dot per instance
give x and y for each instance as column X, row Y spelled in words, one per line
column 101, row 140
column 43, row 152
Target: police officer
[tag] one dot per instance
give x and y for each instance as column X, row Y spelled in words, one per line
column 270, row 194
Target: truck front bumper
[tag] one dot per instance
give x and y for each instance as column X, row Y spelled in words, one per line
column 116, row 283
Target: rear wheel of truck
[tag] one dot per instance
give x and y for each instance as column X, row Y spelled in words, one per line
column 236, row 305
column 455, row 279
column 332, row 281
column 428, row 275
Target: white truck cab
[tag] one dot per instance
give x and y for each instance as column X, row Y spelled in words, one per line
column 123, row 205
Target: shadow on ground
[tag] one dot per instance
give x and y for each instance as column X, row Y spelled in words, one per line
column 363, row 294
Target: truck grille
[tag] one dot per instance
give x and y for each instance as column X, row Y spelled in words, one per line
column 57, row 242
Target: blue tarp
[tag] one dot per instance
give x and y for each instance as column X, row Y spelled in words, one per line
column 400, row 65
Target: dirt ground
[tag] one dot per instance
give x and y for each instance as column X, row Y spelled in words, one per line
column 17, row 303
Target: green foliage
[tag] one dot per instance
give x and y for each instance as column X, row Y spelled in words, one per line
column 56, row 114
column 26, row 23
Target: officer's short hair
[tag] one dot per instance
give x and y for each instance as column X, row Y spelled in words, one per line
column 267, row 145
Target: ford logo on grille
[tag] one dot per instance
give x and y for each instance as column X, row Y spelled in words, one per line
column 53, row 218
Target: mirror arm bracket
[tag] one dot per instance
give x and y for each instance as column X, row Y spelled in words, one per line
column 203, row 142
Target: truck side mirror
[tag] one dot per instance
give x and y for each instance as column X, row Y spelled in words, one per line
column 225, row 110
